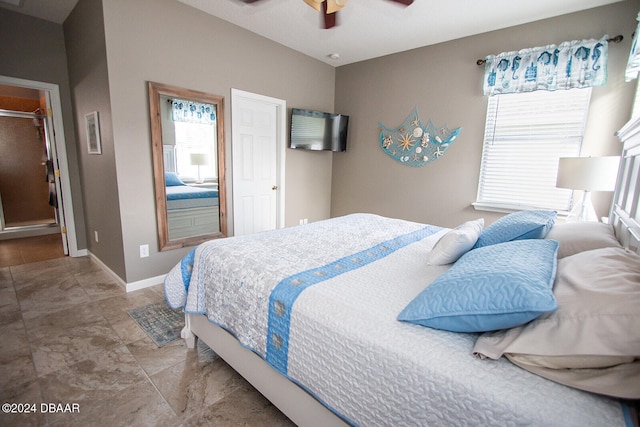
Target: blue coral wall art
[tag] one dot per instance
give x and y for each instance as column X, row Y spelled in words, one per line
column 413, row 143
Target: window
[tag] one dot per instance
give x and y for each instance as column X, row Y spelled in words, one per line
column 525, row 135
column 196, row 138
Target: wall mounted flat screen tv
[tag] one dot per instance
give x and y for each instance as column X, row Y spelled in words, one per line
column 315, row 130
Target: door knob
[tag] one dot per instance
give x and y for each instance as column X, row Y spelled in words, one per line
column 275, row 187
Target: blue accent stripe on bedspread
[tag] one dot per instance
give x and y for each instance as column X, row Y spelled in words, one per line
column 627, row 413
column 284, row 295
column 186, row 268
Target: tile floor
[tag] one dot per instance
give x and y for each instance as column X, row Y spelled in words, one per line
column 66, row 337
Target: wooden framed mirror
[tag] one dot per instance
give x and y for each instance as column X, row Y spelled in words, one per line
column 187, row 134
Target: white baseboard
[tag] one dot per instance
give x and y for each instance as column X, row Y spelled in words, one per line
column 145, row 283
column 80, row 252
column 132, row 286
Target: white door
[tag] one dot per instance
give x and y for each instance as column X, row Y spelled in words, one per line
column 258, row 141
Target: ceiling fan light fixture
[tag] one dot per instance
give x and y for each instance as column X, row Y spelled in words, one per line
column 316, row 4
column 335, row 5
column 332, row 5
column 329, row 8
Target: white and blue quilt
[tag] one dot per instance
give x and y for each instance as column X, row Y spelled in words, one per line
column 252, row 282
column 319, row 303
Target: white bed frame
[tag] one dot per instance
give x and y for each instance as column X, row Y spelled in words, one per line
column 625, row 209
column 302, row 408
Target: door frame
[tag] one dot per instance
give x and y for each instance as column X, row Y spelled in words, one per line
column 59, row 152
column 281, row 141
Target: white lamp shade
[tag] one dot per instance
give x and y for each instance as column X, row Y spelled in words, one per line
column 588, row 173
column 199, row 159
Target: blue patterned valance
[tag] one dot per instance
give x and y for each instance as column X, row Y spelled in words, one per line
column 574, row 64
column 192, row 112
column 633, row 66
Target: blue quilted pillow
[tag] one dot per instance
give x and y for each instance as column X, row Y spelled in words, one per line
column 518, row 226
column 496, row 287
column 171, row 179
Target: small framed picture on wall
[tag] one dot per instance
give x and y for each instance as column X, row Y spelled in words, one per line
column 93, row 133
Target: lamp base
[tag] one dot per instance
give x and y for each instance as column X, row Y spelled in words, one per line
column 199, row 179
column 584, row 210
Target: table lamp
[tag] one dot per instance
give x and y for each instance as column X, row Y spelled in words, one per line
column 199, row 159
column 587, row 174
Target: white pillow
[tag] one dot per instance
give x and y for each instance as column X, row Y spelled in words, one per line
column 456, row 243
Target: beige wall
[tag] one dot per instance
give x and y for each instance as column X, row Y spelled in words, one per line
column 167, row 42
column 88, row 76
column 445, row 83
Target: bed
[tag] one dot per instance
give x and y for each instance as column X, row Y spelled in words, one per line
column 335, row 321
column 191, row 210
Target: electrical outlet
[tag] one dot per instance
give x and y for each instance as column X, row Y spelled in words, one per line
column 304, row 221
column 95, row 235
column 144, row 251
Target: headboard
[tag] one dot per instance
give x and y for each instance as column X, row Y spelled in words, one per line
column 625, row 209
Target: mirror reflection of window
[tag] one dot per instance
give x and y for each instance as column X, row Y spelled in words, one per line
column 195, row 139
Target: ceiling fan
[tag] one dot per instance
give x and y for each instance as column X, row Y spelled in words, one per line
column 330, row 8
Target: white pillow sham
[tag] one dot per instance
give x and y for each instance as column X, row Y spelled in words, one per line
column 456, row 243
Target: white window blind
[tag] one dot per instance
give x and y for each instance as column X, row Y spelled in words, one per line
column 525, row 135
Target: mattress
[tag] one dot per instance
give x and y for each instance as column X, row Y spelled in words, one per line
column 185, row 197
column 340, row 341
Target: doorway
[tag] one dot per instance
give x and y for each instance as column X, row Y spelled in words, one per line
column 258, row 150
column 27, row 186
column 45, row 122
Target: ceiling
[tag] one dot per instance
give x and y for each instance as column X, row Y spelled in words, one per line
column 366, row 28
column 51, row 10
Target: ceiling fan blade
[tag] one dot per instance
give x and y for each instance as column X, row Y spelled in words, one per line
column 405, row 2
column 329, row 18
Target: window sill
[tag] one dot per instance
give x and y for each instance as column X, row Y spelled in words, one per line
column 501, row 208
column 203, row 184
column 511, row 208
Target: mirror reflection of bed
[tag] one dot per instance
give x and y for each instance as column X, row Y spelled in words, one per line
column 192, row 210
